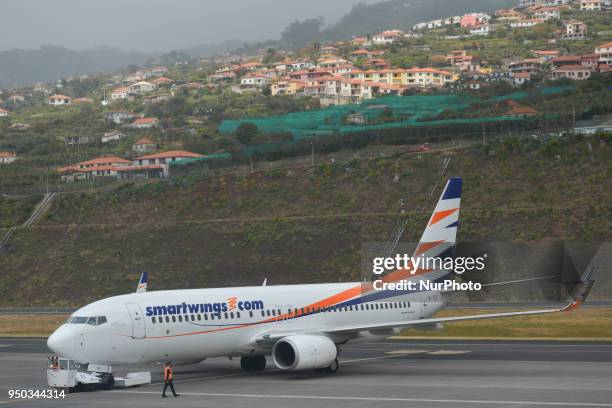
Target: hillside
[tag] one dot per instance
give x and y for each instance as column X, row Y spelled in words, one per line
column 403, row 14
column 298, row 224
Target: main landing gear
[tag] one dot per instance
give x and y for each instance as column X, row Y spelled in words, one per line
column 330, row 369
column 253, row 363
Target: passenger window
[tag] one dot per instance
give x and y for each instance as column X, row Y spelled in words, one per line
column 273, row 312
column 193, row 318
column 186, row 318
column 225, row 315
column 212, row 316
column 180, row 318
column 199, row 317
column 268, row 313
column 231, row 315
column 167, row 319
column 238, row 315
column 279, row 312
column 173, row 319
column 205, row 316
column 153, row 319
column 250, row 314
column 263, row 313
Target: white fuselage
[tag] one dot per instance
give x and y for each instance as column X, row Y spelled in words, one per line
column 191, row 325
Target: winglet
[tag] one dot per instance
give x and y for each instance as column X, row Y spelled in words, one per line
column 142, row 283
column 582, row 289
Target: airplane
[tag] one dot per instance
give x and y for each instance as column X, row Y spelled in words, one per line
column 302, row 327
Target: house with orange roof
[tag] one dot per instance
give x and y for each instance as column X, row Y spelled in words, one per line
column 573, row 72
column 574, row 30
column 522, row 111
column 120, row 93
column 59, row 100
column 592, row 5
column 144, row 123
column 604, row 52
column 144, row 145
column 161, row 81
column 7, row 157
column 3, row 113
column 287, row 87
column 388, row 37
column 329, row 50
column 428, row 77
column 165, row 157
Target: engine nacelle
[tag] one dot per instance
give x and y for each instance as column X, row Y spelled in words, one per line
column 304, row 352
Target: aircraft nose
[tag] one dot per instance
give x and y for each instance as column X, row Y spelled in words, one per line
column 61, row 342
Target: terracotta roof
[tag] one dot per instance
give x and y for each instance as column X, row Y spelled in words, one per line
column 7, row 154
column 605, row 45
column 59, row 97
column 3, row 111
column 145, row 167
column 567, row 58
column 522, row 110
column 104, row 160
column 144, row 121
column 173, row 153
column 144, row 141
column 122, row 89
column 575, row 67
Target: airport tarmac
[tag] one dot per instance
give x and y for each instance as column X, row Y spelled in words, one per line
column 398, row 373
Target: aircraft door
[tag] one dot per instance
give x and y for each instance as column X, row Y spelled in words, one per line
column 138, row 321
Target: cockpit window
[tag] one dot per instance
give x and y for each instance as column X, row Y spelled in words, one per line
column 92, row 321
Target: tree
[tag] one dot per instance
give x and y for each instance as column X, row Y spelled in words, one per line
column 246, row 132
column 299, row 33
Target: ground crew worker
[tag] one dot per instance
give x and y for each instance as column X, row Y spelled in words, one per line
column 168, row 376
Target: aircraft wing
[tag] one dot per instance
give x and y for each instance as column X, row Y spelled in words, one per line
column 578, row 297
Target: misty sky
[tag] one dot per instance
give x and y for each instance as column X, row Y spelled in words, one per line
column 153, row 25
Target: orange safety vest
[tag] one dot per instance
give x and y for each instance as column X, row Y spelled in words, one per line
column 168, row 373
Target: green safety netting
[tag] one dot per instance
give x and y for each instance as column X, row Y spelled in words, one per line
column 208, row 158
column 405, row 110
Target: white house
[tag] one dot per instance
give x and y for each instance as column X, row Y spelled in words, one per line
column 60, row 100
column 120, row 93
column 251, row 81
column 574, row 30
column 144, row 145
column 112, row 136
column 7, row 157
column 141, row 87
column 528, row 23
column 483, row 29
column 546, row 13
column 604, row 52
column 591, row 5
column 387, row 37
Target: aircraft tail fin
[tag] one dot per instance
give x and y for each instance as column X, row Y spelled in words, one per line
column 142, row 283
column 440, row 235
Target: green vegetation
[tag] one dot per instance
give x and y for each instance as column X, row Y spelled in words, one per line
column 299, row 224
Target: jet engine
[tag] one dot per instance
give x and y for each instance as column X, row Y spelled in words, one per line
column 304, row 352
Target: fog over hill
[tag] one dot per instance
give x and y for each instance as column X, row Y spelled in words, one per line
column 20, row 67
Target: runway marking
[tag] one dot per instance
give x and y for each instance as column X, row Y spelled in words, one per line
column 383, row 399
column 476, row 344
column 402, row 352
column 448, row 352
